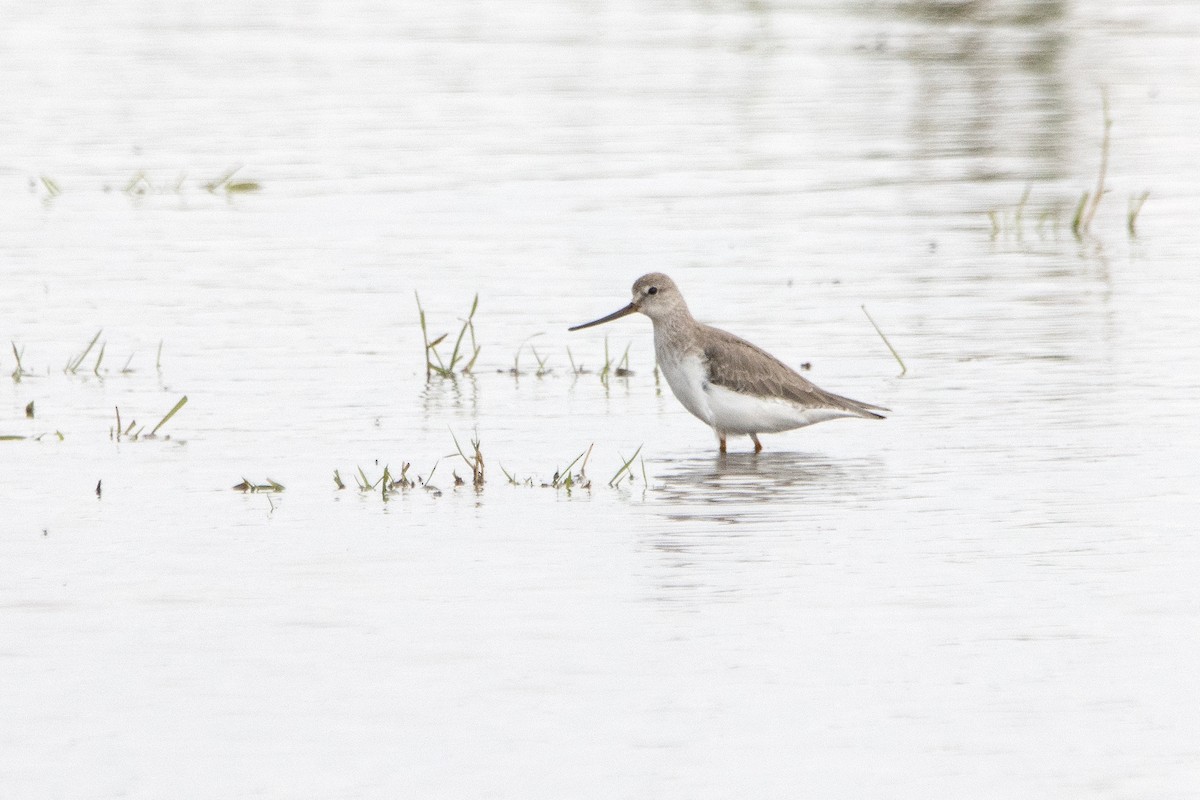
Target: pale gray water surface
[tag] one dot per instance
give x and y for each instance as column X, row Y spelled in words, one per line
column 991, row 594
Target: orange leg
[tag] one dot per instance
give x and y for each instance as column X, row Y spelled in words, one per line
column 722, row 442
column 757, row 443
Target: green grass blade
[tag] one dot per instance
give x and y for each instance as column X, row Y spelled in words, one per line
column 182, row 402
column 73, row 366
column 624, row 467
column 213, row 186
column 900, row 361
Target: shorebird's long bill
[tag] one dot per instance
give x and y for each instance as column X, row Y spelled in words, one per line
column 626, row 311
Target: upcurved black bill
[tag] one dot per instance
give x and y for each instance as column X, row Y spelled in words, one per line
column 629, row 309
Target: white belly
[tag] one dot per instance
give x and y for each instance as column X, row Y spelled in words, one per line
column 730, row 412
column 743, row 413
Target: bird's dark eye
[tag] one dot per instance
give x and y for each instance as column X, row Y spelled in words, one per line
column 652, row 290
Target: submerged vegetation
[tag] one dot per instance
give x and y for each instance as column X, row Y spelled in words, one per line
column 141, row 184
column 51, row 186
column 19, row 372
column 80, row 364
column 542, row 369
column 474, row 462
column 89, row 359
column 620, row 369
column 563, row 478
column 19, row 437
column 624, row 470
column 388, row 483
column 1012, row 221
column 573, row 476
column 132, row 432
column 1131, row 214
column 434, row 363
column 75, row 364
column 251, row 487
column 608, row 369
column 225, row 183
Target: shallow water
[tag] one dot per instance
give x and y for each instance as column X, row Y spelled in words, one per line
column 991, row 594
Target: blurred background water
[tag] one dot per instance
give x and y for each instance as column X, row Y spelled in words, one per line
column 991, row 594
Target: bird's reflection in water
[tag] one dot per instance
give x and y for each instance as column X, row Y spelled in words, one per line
column 744, row 487
column 740, row 526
